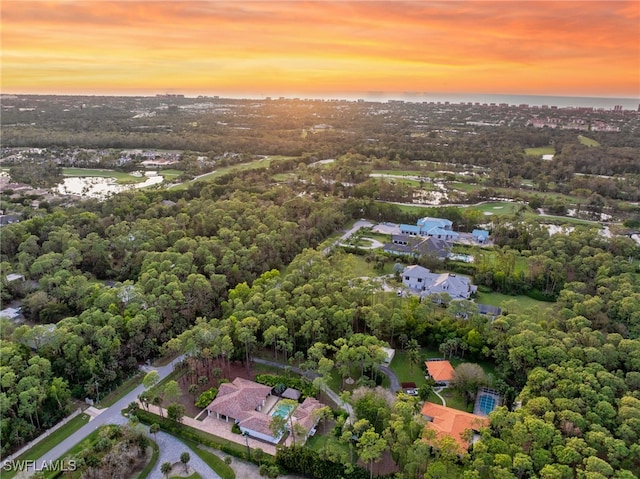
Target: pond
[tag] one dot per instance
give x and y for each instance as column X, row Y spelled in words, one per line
column 100, row 187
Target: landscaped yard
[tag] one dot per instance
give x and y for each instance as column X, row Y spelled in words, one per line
column 517, row 304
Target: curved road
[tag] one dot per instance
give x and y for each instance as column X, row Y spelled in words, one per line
column 110, row 415
column 170, row 450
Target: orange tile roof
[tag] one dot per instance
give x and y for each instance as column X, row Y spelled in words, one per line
column 453, row 423
column 440, row 370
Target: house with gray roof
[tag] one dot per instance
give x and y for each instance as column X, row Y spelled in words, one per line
column 416, row 247
column 425, row 283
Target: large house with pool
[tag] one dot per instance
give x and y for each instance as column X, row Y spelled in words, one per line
column 252, row 406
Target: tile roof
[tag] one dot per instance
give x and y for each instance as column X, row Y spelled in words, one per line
column 238, row 399
column 440, row 370
column 451, row 422
column 303, row 414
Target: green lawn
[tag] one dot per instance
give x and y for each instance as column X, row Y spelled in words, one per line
column 498, row 208
column 398, row 172
column 195, row 475
column 362, row 268
column 521, row 304
column 118, row 175
column 466, row 187
column 212, row 460
column 541, row 150
column 261, row 163
column 49, row 442
column 317, row 442
column 124, row 389
column 170, row 174
column 86, row 443
column 587, row 141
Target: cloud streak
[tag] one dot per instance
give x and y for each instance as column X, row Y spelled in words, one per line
column 503, row 47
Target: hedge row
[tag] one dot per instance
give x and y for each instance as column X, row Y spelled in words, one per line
column 301, row 384
column 191, row 434
column 306, row 462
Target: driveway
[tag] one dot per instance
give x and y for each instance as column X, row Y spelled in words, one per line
column 109, row 415
column 393, row 379
column 170, row 450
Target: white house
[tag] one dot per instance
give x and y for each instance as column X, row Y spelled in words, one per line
column 425, row 283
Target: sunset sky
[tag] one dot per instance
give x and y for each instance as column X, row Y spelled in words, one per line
column 577, row 48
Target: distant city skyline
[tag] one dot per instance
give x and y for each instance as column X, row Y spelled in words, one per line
column 345, row 49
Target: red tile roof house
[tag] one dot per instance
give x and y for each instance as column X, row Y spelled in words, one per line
column 440, row 371
column 459, row 425
column 242, row 401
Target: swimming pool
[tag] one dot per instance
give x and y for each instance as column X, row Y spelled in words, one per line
column 486, row 403
column 282, row 410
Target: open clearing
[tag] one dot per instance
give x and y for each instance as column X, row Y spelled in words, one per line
column 517, row 304
column 541, row 150
column 587, row 141
column 87, row 172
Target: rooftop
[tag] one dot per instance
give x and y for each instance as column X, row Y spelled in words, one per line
column 439, row 370
column 446, row 421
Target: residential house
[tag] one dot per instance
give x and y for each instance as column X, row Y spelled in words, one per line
column 440, row 371
column 416, row 247
column 251, row 406
column 8, row 219
column 437, row 228
column 480, row 236
column 462, row 426
column 427, row 283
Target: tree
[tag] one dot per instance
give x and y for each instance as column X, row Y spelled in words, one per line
column 154, row 429
column 185, row 457
column 467, row 378
column 175, row 412
column 165, row 468
column 370, row 447
column 150, row 379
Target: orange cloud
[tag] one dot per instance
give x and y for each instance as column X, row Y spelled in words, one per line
column 544, row 47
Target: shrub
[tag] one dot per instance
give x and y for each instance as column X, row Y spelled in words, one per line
column 301, row 384
column 206, row 397
column 236, row 429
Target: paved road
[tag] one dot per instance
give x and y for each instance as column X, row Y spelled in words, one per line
column 110, row 415
column 170, row 450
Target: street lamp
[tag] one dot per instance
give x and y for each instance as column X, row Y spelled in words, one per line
column 246, row 440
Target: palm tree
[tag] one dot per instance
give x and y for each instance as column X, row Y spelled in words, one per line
column 165, row 468
column 184, row 459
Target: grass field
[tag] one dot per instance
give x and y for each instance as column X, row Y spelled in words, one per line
column 587, row 141
column 541, row 150
column 118, row 175
column 517, row 304
column 398, row 172
column 362, row 268
column 170, row 174
column 124, row 389
column 49, row 442
column 261, row 163
column 498, row 208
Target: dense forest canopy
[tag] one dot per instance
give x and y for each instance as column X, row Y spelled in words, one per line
column 226, row 267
